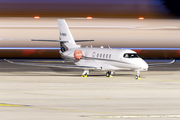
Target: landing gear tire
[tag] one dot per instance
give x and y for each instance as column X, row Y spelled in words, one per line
column 137, row 77
column 85, row 73
column 109, row 74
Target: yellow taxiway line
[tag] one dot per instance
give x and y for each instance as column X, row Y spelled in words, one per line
column 10, row 105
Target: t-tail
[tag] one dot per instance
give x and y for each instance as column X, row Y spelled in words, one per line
column 65, row 36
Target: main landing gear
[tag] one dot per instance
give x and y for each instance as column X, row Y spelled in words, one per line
column 85, row 73
column 138, row 76
column 109, row 74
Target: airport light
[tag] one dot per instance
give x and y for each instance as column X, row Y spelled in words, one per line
column 36, row 17
column 89, row 17
column 141, row 18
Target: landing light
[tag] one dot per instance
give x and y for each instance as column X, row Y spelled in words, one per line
column 89, row 17
column 141, row 18
column 36, row 17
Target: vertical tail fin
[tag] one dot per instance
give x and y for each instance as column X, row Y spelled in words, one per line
column 65, row 35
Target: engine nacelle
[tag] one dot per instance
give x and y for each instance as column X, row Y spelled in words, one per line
column 78, row 54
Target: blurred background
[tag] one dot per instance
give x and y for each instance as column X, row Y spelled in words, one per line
column 95, row 8
column 150, row 27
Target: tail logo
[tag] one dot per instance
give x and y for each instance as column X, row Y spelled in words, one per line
column 62, row 34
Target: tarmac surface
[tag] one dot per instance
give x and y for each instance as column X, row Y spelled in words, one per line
column 42, row 93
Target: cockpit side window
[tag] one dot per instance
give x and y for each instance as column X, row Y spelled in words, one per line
column 126, row 55
column 131, row 55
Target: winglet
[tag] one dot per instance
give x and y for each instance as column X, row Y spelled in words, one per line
column 173, row 61
column 8, row 60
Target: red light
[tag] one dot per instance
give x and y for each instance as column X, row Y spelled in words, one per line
column 141, row 18
column 89, row 17
column 36, row 17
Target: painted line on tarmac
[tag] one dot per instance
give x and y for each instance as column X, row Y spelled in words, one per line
column 57, row 95
column 68, row 96
column 64, row 110
column 121, row 115
column 144, row 79
column 117, row 115
column 159, row 80
column 81, row 111
column 102, row 101
column 11, row 105
column 95, row 112
column 138, row 116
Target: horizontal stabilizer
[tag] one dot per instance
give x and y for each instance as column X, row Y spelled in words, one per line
column 60, row 40
column 52, row 65
column 49, row 40
column 83, row 40
column 156, row 64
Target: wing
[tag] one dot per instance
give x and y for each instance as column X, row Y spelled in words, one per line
column 52, row 65
column 155, row 64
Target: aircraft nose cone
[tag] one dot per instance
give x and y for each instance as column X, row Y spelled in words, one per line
column 144, row 66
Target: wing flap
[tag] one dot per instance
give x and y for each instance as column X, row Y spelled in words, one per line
column 52, row 65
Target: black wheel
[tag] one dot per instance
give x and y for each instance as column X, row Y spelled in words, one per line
column 137, row 77
column 108, row 74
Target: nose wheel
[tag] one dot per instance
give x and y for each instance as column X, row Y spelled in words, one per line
column 109, row 74
column 85, row 73
column 138, row 76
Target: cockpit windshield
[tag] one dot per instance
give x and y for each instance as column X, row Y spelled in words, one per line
column 131, row 55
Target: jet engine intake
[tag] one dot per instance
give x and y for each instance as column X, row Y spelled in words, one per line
column 78, row 54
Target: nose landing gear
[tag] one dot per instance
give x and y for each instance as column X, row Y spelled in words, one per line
column 138, row 76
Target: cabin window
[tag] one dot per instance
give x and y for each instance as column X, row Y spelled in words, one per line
column 106, row 55
column 110, row 56
column 103, row 55
column 97, row 55
column 131, row 55
column 100, row 55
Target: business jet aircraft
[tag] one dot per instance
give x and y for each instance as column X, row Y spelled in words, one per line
column 93, row 59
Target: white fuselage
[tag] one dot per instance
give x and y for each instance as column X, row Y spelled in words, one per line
column 108, row 59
